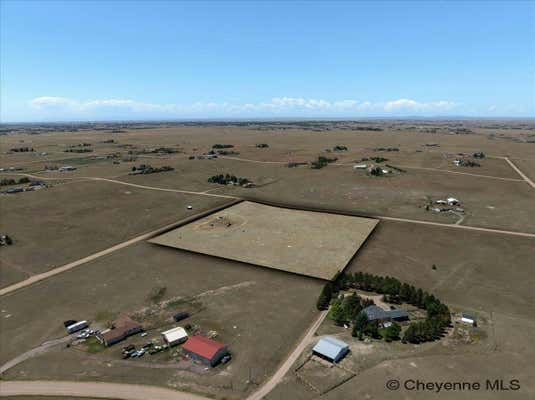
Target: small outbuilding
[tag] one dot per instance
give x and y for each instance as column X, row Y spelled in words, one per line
column 175, row 336
column 206, row 350
column 330, row 349
column 468, row 318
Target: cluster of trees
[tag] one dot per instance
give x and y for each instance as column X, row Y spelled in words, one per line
column 387, row 149
column 11, row 181
column 468, row 163
column 293, row 164
column 222, row 146
column 226, row 179
column 340, row 148
column 147, row 169
column 321, row 162
column 78, row 150
column 479, row 154
column 393, row 291
column 158, row 150
column 224, row 152
column 378, row 159
column 21, row 149
column 346, row 309
column 376, row 171
column 262, row 145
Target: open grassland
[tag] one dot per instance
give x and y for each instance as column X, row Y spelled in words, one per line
column 61, row 224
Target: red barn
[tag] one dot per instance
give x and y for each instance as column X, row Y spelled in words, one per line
column 205, row 350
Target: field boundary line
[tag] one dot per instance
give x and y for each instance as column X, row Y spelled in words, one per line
column 45, row 275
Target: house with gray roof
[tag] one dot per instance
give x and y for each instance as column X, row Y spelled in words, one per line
column 330, row 349
column 377, row 313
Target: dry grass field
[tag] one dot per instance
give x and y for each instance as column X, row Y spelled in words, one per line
column 307, row 243
column 52, row 227
column 261, row 313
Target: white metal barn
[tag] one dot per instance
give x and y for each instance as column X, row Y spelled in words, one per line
column 175, row 336
column 331, row 349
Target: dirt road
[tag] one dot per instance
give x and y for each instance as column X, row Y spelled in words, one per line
column 287, row 364
column 455, row 226
column 39, row 277
column 93, row 389
column 524, row 177
column 43, row 348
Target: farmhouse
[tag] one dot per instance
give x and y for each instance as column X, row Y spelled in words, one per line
column 330, row 349
column 377, row 313
column 121, row 329
column 206, row 350
column 175, row 336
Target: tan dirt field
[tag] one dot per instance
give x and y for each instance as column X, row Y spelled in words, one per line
column 303, row 242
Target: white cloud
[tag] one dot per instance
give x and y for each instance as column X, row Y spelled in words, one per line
column 276, row 106
column 412, row 105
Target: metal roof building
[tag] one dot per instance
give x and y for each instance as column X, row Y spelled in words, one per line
column 205, row 350
column 377, row 313
column 331, row 349
column 175, row 336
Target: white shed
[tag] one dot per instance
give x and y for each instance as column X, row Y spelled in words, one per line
column 468, row 318
column 175, row 336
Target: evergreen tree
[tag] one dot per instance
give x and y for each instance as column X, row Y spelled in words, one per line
column 325, row 296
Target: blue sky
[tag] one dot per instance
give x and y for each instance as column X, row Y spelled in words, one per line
column 169, row 60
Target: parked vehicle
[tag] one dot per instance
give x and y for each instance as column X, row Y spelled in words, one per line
column 69, row 322
column 128, row 348
column 78, row 326
column 180, row 316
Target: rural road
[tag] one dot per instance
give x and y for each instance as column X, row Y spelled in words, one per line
column 43, row 348
column 287, row 364
column 455, row 226
column 93, row 389
column 39, row 277
column 529, row 181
